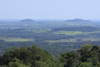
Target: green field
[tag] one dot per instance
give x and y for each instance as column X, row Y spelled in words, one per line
column 74, row 32
column 17, row 39
column 68, row 32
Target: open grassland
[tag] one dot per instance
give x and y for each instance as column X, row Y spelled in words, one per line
column 68, row 32
column 74, row 32
column 17, row 39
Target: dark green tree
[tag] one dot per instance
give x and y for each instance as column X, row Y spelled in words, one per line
column 69, row 59
column 28, row 56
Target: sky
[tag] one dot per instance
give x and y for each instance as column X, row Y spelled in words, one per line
column 50, row 9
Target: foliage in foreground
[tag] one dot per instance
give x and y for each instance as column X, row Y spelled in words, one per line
column 86, row 56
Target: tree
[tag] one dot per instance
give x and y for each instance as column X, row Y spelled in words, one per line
column 85, row 64
column 69, row 59
column 17, row 63
column 26, row 56
column 84, row 52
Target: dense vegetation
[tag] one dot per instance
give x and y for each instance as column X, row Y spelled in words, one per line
column 53, row 41
column 58, row 40
column 83, row 29
column 86, row 56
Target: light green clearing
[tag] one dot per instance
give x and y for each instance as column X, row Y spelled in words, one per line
column 74, row 32
column 17, row 40
column 68, row 32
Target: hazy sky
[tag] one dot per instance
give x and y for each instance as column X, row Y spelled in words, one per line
column 50, row 9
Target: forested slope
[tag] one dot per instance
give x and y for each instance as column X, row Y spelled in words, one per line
column 86, row 56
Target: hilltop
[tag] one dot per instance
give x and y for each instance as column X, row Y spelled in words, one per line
column 77, row 20
column 27, row 20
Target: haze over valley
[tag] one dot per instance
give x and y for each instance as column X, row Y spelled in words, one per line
column 49, row 33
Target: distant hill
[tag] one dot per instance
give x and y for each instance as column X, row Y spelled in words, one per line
column 83, row 29
column 78, row 20
column 27, row 20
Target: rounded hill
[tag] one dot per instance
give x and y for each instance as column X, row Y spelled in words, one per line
column 27, row 20
column 77, row 20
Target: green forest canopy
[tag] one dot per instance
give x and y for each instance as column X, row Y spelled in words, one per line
column 86, row 56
